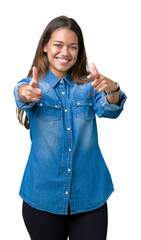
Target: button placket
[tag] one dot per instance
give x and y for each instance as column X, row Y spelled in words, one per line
column 69, row 143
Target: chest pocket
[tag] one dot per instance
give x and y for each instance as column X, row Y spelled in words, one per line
column 48, row 110
column 83, row 108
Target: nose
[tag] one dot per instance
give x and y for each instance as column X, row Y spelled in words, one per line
column 65, row 52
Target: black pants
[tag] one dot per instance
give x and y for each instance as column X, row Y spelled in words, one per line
column 82, row 226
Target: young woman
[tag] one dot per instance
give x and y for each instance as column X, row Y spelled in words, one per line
column 66, row 182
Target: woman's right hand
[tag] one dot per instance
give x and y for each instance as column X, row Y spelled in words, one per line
column 30, row 92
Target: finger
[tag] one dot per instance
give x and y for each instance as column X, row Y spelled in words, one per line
column 93, row 76
column 35, row 73
column 94, row 69
column 34, row 91
column 35, row 81
column 37, row 91
column 35, row 99
column 95, row 73
column 31, row 97
column 101, row 87
column 97, row 81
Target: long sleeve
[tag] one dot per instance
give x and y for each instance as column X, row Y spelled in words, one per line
column 65, row 146
column 105, row 109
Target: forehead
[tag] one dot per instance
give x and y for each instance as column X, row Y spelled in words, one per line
column 64, row 35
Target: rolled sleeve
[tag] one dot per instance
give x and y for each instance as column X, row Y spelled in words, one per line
column 105, row 109
column 20, row 104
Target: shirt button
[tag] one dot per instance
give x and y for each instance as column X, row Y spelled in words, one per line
column 60, row 81
column 66, row 110
column 78, row 103
column 56, row 106
column 41, row 104
column 69, row 149
column 66, row 192
column 63, row 92
column 68, row 129
column 69, row 169
column 90, row 104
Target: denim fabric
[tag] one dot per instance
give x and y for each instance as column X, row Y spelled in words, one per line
column 65, row 164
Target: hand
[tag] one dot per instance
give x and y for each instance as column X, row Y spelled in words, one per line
column 101, row 83
column 30, row 92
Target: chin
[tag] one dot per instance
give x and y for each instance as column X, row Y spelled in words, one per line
column 63, row 70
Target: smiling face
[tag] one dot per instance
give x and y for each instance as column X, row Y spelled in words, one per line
column 62, row 51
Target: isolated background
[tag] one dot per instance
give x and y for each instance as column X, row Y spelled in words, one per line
column 112, row 37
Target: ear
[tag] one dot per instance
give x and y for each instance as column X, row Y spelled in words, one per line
column 45, row 48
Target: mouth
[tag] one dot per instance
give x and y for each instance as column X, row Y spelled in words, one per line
column 63, row 60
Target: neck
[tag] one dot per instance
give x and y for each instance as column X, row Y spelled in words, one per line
column 58, row 74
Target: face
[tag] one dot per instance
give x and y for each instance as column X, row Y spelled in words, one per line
column 62, row 51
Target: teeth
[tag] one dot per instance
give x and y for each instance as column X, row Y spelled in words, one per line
column 63, row 60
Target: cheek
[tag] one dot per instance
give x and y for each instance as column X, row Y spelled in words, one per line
column 75, row 56
column 53, row 52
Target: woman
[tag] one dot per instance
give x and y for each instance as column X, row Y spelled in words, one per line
column 66, row 182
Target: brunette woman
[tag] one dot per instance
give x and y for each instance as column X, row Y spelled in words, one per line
column 66, row 182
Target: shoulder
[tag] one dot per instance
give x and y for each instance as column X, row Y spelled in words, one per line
column 44, row 85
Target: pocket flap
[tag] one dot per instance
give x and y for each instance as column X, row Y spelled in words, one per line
column 82, row 102
column 48, row 103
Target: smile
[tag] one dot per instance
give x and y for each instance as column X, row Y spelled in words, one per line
column 62, row 60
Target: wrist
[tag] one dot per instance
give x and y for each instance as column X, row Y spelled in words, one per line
column 115, row 88
column 116, row 91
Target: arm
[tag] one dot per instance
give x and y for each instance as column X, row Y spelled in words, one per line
column 113, row 100
column 103, row 108
column 102, row 83
column 106, row 105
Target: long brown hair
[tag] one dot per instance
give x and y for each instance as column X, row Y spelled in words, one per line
column 40, row 61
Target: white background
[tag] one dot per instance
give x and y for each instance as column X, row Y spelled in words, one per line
column 112, row 37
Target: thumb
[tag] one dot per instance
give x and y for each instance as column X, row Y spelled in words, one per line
column 35, row 81
column 94, row 69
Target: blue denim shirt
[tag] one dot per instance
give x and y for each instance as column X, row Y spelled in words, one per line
column 65, row 164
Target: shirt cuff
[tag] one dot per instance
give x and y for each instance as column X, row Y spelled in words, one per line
column 110, row 110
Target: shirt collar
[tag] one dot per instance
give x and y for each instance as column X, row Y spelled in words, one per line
column 53, row 80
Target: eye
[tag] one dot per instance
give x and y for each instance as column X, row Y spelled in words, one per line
column 58, row 45
column 73, row 47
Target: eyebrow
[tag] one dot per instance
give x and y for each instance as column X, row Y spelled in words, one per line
column 63, row 42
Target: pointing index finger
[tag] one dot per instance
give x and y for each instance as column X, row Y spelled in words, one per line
column 94, row 69
column 95, row 73
column 35, row 73
column 35, row 81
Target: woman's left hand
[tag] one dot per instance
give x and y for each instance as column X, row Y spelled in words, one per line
column 100, row 82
